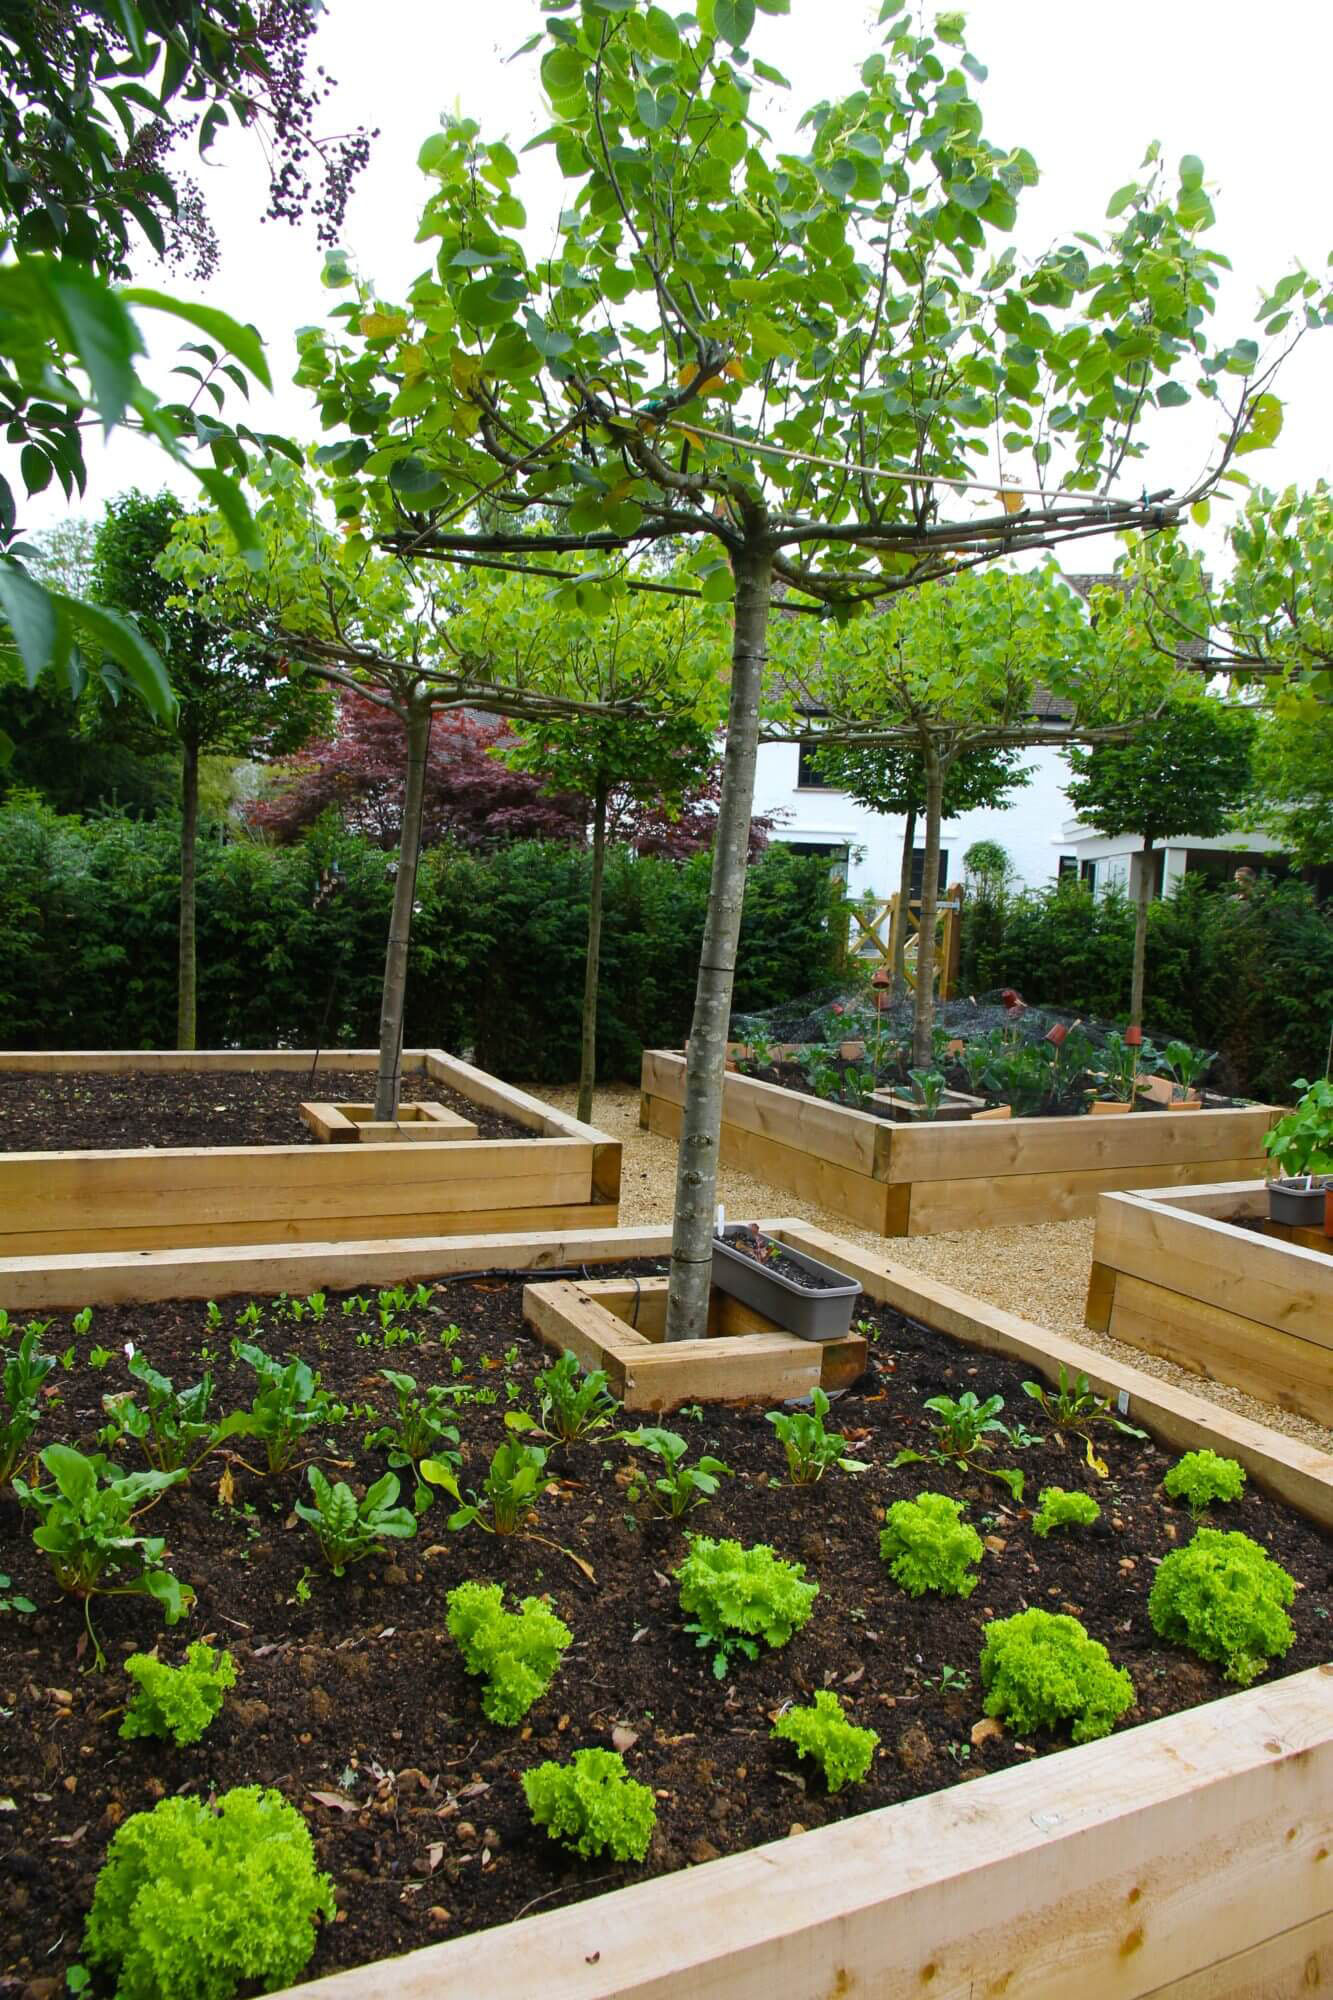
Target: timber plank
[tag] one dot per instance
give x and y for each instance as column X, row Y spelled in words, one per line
column 254, row 1230
column 832, row 1132
column 1281, row 1285
column 1297, row 1961
column 56, row 1061
column 1101, row 1297
column 1278, row 1368
column 1112, row 1870
column 1165, row 1139
column 1294, row 1471
column 1016, row 1199
column 791, row 1168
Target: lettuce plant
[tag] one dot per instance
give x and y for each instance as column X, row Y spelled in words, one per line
column 177, row 1702
column 811, row 1449
column 1058, row 1509
column 592, row 1805
column 822, row 1732
column 682, row 1487
column 193, row 1902
column 347, row 1529
column 1201, row 1477
column 1040, row 1669
column 574, row 1405
column 86, row 1531
column 1224, row 1598
column 517, row 1652
column 928, row 1546
column 736, row 1597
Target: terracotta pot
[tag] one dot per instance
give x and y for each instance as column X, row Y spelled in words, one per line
column 955, row 1047
column 1108, row 1107
column 996, row 1111
column 851, row 1051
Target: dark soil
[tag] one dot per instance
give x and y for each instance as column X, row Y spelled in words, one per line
column 763, row 1251
column 792, row 1077
column 95, row 1111
column 351, row 1688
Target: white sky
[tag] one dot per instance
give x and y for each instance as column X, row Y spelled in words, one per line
column 1084, row 87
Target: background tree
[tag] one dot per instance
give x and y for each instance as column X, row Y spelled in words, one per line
column 1186, row 773
column 861, row 338
column 1293, row 781
column 226, row 700
column 891, row 781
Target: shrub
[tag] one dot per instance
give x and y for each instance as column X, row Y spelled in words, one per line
column 1224, row 1598
column 179, row 1702
column 735, row 1597
column 1201, row 1477
column 1041, row 1669
column 822, row 1732
column 929, row 1547
column 517, row 1652
column 592, row 1805
column 1058, row 1509
column 193, row 1902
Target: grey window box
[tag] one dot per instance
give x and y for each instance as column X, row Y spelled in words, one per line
column 823, row 1313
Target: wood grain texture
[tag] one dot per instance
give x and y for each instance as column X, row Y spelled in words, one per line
column 795, row 1170
column 149, row 1061
column 1278, row 1368
column 1014, row 1200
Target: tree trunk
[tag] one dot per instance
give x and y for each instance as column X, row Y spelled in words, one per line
column 588, row 1030
column 899, row 967
column 705, row 1068
column 1142, row 901
column 924, row 1018
column 400, row 923
column 186, row 961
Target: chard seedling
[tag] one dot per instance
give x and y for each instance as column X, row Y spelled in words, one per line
column 1074, row 1406
column 25, row 1371
column 347, row 1529
column 172, row 1427
column 100, row 1357
column 421, row 1428
column 82, row 1320
column 811, row 1449
column 964, row 1429
column 513, row 1480
column 10, row 1600
column 682, row 1487
column 288, row 1406
column 574, row 1405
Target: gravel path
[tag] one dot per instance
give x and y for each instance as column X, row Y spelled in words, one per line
column 1040, row 1272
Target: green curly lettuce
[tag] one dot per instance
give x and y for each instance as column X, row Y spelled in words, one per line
column 592, row 1805
column 193, row 1902
column 1201, row 1477
column 1224, row 1598
column 822, row 1732
column 735, row 1598
column 1040, row 1669
column 1057, row 1508
column 177, row 1702
column 517, row 1652
column 929, row 1547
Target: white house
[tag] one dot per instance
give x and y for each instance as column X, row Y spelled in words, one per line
column 1038, row 830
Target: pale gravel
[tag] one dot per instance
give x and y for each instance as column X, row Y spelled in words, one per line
column 1040, row 1272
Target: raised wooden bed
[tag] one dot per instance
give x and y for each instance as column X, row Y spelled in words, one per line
column 566, row 1175
column 917, row 1179
column 1191, row 1857
column 1174, row 1275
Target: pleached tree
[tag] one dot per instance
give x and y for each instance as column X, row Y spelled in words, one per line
column 788, row 359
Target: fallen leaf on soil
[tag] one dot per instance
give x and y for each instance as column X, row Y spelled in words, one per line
column 435, row 1854
column 7, row 1805
column 226, row 1488
column 996, row 1544
column 642, row 1633
column 338, row 1801
column 623, row 1737
column 985, row 1730
column 857, row 1674
column 69, row 1839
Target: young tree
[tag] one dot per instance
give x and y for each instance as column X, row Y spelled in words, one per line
column 890, row 780
column 1293, row 781
column 783, row 359
column 1188, row 772
column 226, row 700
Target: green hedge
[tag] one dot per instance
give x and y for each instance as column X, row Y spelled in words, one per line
column 1250, row 976
column 88, row 943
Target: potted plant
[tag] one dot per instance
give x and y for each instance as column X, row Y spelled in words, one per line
column 794, row 1290
column 1186, row 1068
column 1124, row 1059
column 1300, row 1147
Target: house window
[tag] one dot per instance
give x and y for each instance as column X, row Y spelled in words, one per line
column 837, row 852
column 1069, row 867
column 809, row 777
column 1087, row 874
column 919, row 871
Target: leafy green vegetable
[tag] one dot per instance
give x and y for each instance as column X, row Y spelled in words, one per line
column 736, row 1597
column 592, row 1805
column 1224, row 1598
column 1201, row 1477
column 513, row 1480
column 177, row 1702
column 420, row 1430
column 194, row 1902
column 929, row 1547
column 25, row 1371
column 518, row 1652
column 822, row 1732
column 172, row 1427
column 682, row 1487
column 1058, row 1509
column 574, row 1405
column 288, row 1405
column 347, row 1529
column 811, row 1449
column 1040, row 1669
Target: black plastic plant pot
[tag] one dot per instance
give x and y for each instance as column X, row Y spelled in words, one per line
column 811, row 1312
column 1293, row 1202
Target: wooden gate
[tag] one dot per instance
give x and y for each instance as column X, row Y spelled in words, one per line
column 874, row 933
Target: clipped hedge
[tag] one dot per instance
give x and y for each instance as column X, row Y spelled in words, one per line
column 1250, row 975
column 88, row 943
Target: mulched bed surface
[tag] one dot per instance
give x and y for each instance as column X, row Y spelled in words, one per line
column 360, row 1693
column 94, row 1111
